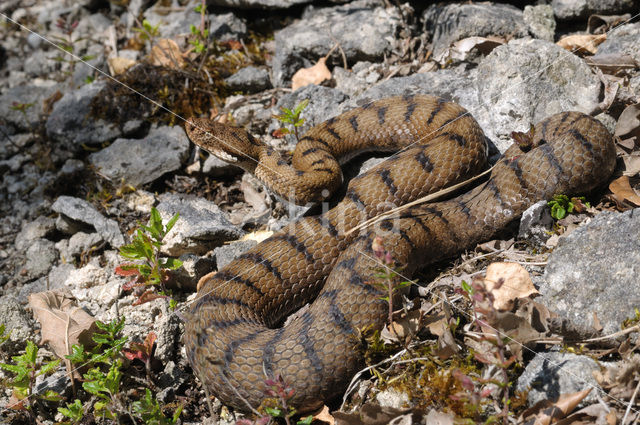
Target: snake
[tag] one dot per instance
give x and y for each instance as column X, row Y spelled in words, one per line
column 295, row 307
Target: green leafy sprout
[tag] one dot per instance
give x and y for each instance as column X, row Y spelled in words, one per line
column 292, row 117
column 147, row 31
column 26, row 368
column 151, row 269
column 561, row 205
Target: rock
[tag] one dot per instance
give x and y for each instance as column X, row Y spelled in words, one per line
column 393, row 398
column 540, row 22
column 552, row 374
column 524, row 81
column 215, row 167
column 140, row 201
column 193, row 268
column 95, row 286
column 32, row 97
column 141, row 161
column 78, row 244
column 227, row 253
column 70, row 123
column 454, row 22
column 536, row 223
column 622, row 40
column 258, row 4
column 41, row 254
column 82, row 211
column 201, row 227
column 364, row 33
column 172, row 21
column 578, row 9
column 226, row 27
column 41, row 227
column 323, row 104
column 249, row 79
column 594, row 270
column 18, row 324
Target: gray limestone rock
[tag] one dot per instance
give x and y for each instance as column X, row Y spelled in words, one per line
column 594, row 270
column 80, row 210
column 193, row 268
column 364, row 33
column 201, row 227
column 524, row 81
column 31, row 98
column 70, row 123
column 39, row 228
column 622, row 40
column 141, row 161
column 259, row 4
column 249, row 79
column 539, row 19
column 227, row 27
column 41, row 255
column 78, row 244
column 577, row 9
column 215, row 167
column 535, row 224
column 552, row 374
column 18, row 324
column 450, row 23
column 227, row 253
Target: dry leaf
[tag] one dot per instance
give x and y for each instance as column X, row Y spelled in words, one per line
column 599, row 24
column 371, row 414
column 461, row 49
column 312, row 75
column 622, row 191
column 404, row 327
column 257, row 236
column 324, row 416
column 118, row 65
column 508, row 282
column 582, row 43
column 165, row 52
column 612, row 63
column 628, row 125
column 544, row 412
column 63, row 322
column 253, row 197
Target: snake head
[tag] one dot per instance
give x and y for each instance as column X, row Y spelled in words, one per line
column 230, row 144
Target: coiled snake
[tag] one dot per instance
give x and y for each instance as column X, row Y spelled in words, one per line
column 234, row 335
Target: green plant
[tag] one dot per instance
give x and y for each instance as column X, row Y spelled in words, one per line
column 26, row 368
column 562, row 204
column 200, row 35
column 148, row 409
column 66, row 44
column 74, row 411
column 291, row 117
column 147, row 31
column 4, row 336
column 153, row 271
column 22, row 108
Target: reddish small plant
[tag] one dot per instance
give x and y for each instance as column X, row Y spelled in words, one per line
column 142, row 352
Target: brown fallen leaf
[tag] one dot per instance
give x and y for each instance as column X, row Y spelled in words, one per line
column 599, row 24
column 582, row 43
column 324, row 416
column 628, row 125
column 166, row 52
column 63, row 322
column 312, row 75
column 118, row 65
column 508, row 282
column 612, row 63
column 372, row 414
column 462, row 49
column 545, row 412
column 622, row 191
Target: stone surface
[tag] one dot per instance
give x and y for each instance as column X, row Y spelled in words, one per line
column 78, row 244
column 594, row 270
column 249, row 79
column 226, row 27
column 33, row 94
column 80, row 210
column 550, row 374
column 364, row 33
column 31, row 231
column 227, row 253
column 574, row 9
column 524, row 81
column 453, row 22
column 536, row 223
column 622, row 40
column 540, row 22
column 259, row 4
column 201, row 227
column 193, row 268
column 141, row 161
column 70, row 123
column 41, row 255
column 18, row 324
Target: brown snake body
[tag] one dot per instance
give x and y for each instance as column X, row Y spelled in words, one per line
column 234, row 335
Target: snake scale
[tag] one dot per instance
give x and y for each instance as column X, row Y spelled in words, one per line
column 234, row 333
